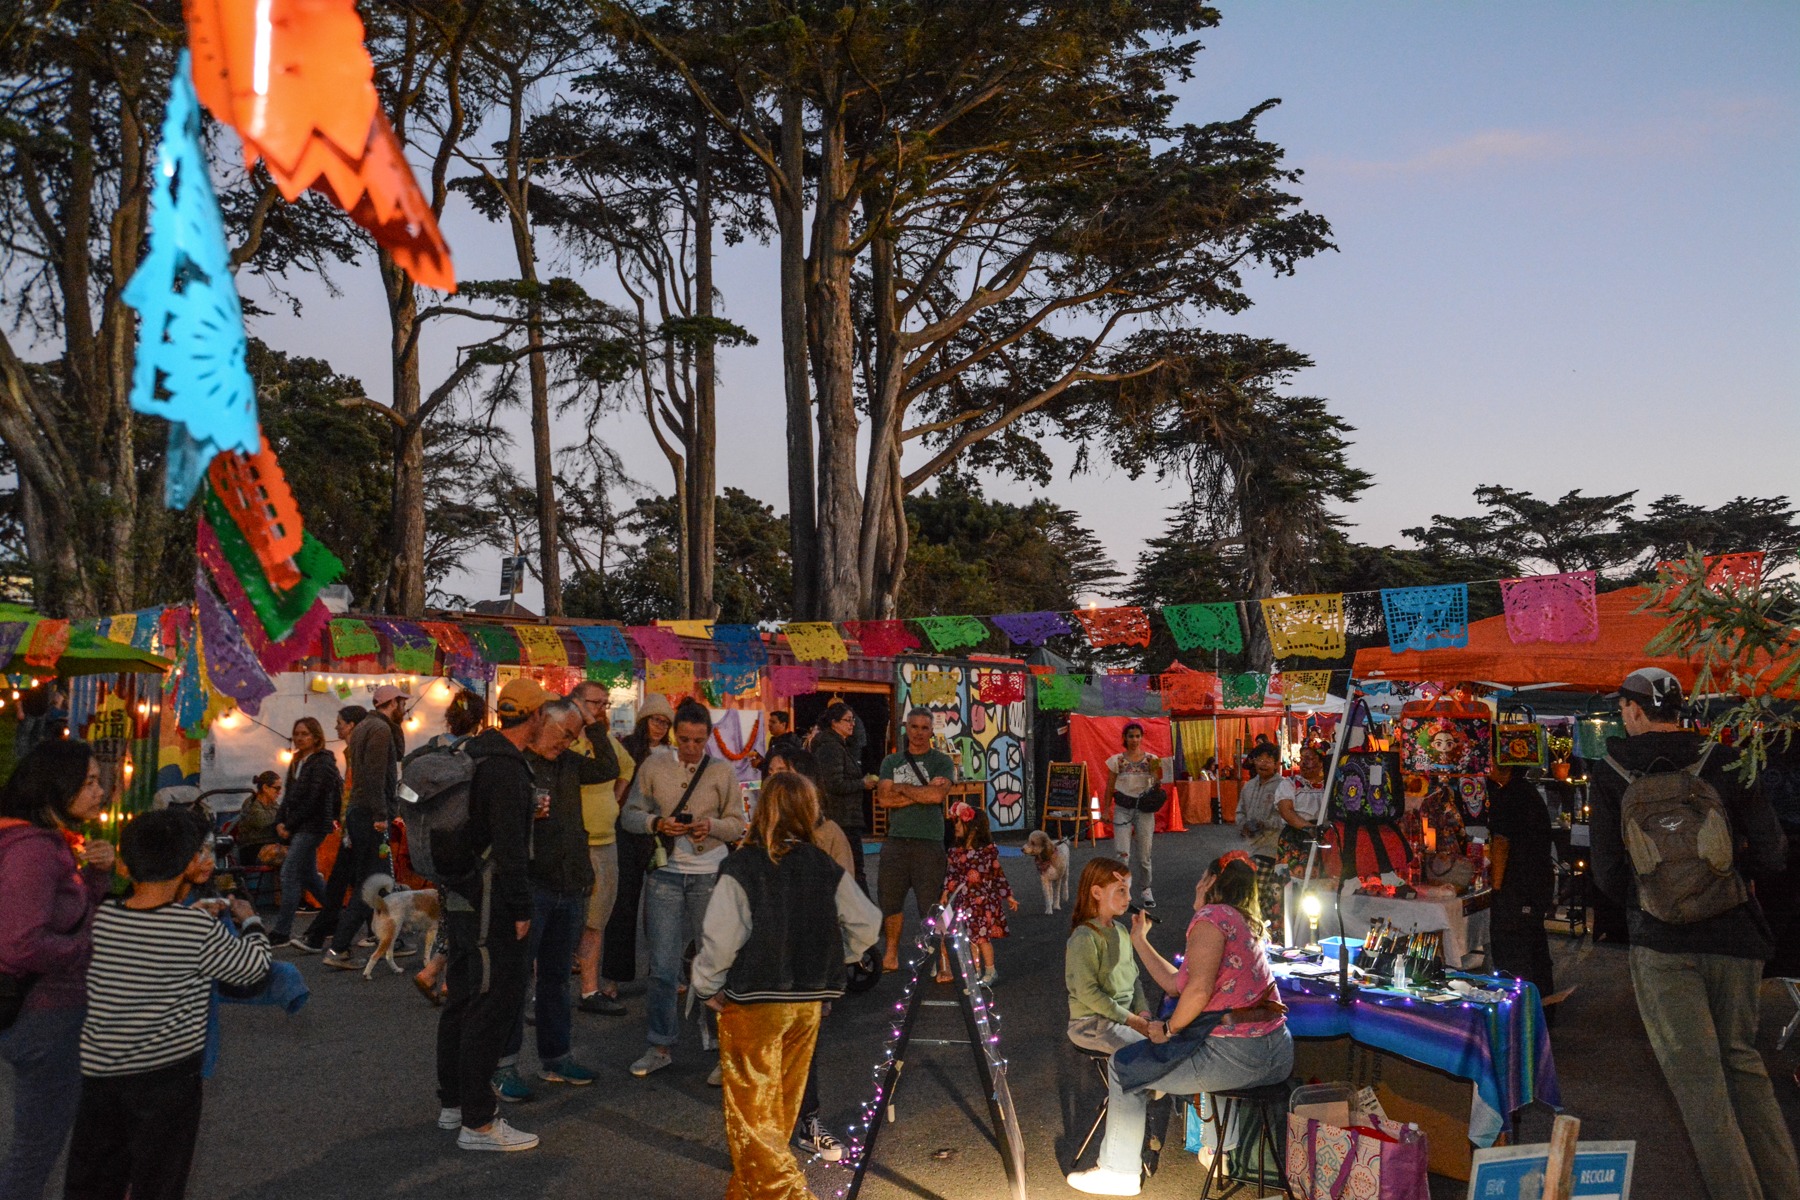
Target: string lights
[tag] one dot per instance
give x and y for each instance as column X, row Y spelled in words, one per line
column 945, row 930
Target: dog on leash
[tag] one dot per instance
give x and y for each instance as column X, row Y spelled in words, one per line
column 398, row 910
column 1052, row 860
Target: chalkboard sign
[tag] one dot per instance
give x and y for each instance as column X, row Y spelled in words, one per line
column 1065, row 793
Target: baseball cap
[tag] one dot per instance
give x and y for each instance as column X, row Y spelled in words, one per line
column 387, row 692
column 521, row 697
column 1651, row 687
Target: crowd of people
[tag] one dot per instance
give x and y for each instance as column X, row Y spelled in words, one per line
column 577, row 841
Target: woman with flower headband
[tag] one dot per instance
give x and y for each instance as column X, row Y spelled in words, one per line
column 1226, row 1031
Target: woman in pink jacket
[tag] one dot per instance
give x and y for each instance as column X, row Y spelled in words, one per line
column 51, row 881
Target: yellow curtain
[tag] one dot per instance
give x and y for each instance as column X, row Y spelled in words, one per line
column 1196, row 744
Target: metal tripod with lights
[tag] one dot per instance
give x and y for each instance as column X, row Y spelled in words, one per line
column 947, row 929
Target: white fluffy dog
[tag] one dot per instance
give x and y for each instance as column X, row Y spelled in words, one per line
column 1052, row 860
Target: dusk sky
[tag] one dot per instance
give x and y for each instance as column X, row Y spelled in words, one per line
column 1569, row 257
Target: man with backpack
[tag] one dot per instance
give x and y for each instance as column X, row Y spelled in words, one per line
column 481, row 857
column 1675, row 836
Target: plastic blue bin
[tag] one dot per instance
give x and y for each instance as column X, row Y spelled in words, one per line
column 1330, row 947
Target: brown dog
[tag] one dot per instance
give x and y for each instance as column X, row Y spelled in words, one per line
column 398, row 910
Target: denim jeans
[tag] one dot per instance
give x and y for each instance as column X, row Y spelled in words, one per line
column 299, row 874
column 556, row 924
column 44, row 1048
column 1221, row 1064
column 1700, row 1011
column 1132, row 831
column 674, row 907
column 1102, row 1034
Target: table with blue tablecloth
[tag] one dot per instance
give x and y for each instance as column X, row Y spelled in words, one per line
column 1501, row 1046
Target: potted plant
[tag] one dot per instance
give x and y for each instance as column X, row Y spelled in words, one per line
column 1562, row 749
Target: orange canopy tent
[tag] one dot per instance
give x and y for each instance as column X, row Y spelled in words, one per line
column 1491, row 656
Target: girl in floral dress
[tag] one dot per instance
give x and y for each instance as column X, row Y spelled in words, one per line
column 974, row 865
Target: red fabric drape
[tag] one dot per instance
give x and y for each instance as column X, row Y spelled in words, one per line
column 1093, row 740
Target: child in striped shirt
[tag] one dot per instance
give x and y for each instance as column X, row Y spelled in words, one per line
column 155, row 961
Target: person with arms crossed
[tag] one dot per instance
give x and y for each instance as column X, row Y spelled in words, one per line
column 914, row 782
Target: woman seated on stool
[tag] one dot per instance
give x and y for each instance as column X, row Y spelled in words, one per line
column 1107, row 1009
column 1227, row 1032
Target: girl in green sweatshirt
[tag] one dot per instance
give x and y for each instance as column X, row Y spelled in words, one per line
column 1107, row 1009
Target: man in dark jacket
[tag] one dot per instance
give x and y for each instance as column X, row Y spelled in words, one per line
column 489, row 970
column 373, row 757
column 562, row 875
column 1697, row 984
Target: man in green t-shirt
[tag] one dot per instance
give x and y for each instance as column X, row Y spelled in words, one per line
column 914, row 782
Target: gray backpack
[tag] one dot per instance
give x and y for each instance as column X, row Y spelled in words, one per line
column 434, row 801
column 1678, row 836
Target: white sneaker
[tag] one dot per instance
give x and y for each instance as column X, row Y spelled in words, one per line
column 1147, row 899
column 717, row 1078
column 449, row 1118
column 1101, row 1182
column 653, row 1059
column 498, row 1136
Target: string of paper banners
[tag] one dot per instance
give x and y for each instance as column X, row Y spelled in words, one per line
column 1544, row 608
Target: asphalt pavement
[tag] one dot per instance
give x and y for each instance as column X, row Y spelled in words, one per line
column 339, row 1100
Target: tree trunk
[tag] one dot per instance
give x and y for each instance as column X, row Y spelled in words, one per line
column 1262, row 586
column 517, row 188
column 406, row 574
column 879, row 573
column 790, row 216
column 544, row 464
column 702, row 448
column 834, row 372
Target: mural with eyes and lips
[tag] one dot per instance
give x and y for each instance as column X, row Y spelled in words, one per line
column 987, row 739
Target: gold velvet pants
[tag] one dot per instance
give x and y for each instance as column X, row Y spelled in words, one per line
column 765, row 1051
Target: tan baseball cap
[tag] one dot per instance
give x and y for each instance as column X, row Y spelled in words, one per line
column 521, row 697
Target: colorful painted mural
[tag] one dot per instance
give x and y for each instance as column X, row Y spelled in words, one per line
column 982, row 720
